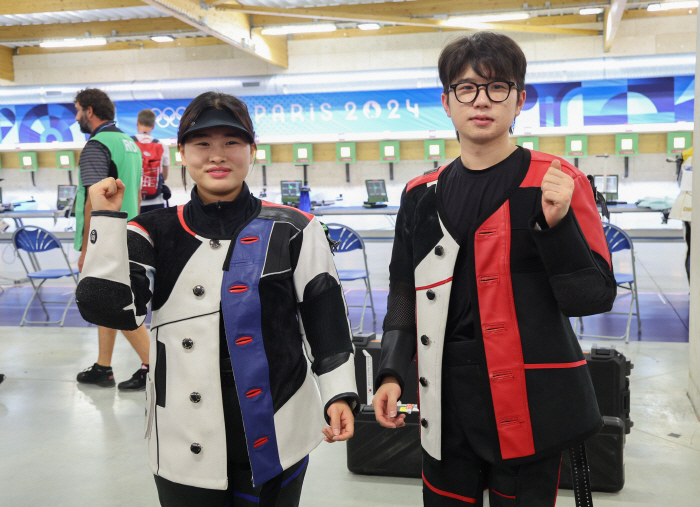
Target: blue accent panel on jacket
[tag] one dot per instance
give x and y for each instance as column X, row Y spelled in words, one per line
column 240, row 302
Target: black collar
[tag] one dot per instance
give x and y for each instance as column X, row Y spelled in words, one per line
column 219, row 220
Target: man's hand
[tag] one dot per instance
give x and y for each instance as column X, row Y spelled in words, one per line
column 81, row 260
column 384, row 403
column 557, row 191
column 342, row 422
column 108, row 195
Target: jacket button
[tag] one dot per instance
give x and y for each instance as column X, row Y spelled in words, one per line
column 214, row 243
column 424, row 340
column 430, row 294
column 439, row 250
column 423, row 422
column 424, row 382
column 196, row 448
column 187, row 343
column 195, row 397
column 198, row 291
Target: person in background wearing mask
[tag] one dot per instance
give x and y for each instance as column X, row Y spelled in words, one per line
column 108, row 153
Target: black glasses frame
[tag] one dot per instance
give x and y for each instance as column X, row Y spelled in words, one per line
column 485, row 86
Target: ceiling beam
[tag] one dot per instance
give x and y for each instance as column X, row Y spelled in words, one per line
column 37, row 6
column 111, row 46
column 611, row 22
column 228, row 26
column 96, row 29
column 406, row 21
column 214, row 3
column 434, row 7
column 7, row 67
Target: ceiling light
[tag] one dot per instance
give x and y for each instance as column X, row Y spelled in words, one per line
column 466, row 21
column 591, row 10
column 73, row 43
column 369, row 26
column 284, row 30
column 667, row 6
column 162, row 38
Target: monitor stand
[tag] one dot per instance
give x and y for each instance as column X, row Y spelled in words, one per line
column 374, row 204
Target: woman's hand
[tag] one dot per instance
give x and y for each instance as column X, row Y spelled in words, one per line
column 342, row 422
column 107, row 195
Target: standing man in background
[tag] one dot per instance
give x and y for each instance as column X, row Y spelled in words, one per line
column 156, row 160
column 108, row 152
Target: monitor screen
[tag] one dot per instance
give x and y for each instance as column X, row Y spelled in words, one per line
column 65, row 194
column 376, row 191
column 606, row 184
column 290, row 191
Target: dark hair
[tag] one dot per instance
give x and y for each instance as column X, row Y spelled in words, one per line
column 102, row 106
column 490, row 55
column 215, row 100
column 147, row 118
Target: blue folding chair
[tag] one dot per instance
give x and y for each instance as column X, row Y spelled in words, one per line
column 34, row 240
column 619, row 240
column 349, row 240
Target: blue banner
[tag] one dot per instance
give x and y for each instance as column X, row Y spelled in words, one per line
column 579, row 104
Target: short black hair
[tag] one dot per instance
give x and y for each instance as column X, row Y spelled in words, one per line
column 490, row 55
column 102, row 105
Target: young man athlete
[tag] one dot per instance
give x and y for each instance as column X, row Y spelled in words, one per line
column 491, row 254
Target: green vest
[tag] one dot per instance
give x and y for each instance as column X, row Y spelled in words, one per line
column 127, row 158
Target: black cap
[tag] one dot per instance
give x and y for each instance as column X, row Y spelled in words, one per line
column 213, row 117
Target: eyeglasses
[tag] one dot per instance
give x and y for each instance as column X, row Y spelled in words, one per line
column 496, row 91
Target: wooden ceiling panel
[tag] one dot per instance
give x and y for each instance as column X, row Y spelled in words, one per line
column 38, row 6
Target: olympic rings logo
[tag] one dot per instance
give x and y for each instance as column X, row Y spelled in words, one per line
column 168, row 117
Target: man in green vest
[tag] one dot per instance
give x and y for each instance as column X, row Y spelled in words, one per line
column 108, row 152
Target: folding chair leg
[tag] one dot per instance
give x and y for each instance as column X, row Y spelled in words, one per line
column 65, row 312
column 629, row 319
column 38, row 295
column 371, row 301
column 361, row 327
column 639, row 319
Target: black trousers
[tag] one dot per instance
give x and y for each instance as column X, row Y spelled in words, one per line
column 281, row 491
column 467, row 466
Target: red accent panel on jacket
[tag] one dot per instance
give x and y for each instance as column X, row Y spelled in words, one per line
column 434, row 284
column 181, row 217
column 140, row 227
column 545, row 366
column 582, row 202
column 499, row 325
column 425, row 178
column 260, row 441
column 447, row 493
column 269, row 204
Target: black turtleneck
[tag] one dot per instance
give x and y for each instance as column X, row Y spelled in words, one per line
column 219, row 220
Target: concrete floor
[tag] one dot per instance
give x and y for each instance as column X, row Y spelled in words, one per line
column 63, row 444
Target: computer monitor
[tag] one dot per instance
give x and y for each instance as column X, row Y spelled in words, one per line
column 66, row 194
column 607, row 185
column 376, row 191
column 291, row 190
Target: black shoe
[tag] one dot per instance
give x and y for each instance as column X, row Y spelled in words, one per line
column 137, row 382
column 99, row 375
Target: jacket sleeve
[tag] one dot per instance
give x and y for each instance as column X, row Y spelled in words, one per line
column 323, row 319
column 576, row 256
column 116, row 284
column 399, row 338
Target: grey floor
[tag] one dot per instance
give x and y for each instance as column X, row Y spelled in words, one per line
column 62, row 444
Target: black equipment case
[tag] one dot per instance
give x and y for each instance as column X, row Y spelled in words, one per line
column 610, row 372
column 606, row 460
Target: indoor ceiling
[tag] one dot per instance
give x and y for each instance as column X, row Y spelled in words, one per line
column 254, row 25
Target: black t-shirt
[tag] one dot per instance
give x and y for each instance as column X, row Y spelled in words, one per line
column 464, row 196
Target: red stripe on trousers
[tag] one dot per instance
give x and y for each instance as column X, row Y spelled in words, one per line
column 447, row 493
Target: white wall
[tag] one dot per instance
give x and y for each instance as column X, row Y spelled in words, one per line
column 648, row 36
